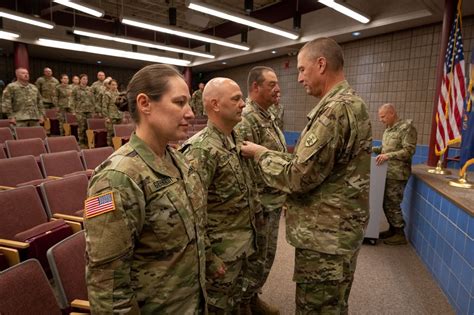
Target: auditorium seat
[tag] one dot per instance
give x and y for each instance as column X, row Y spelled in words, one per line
column 4, row 123
column 25, row 289
column 3, row 154
column 70, row 125
column 64, row 198
column 96, row 133
column 67, row 260
column 30, row 133
column 24, row 227
column 62, row 163
column 19, row 171
column 93, row 157
column 5, row 134
column 23, row 147
column 61, row 144
column 122, row 133
column 52, row 122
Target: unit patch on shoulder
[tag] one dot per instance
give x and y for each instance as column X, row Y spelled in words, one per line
column 310, row 140
column 98, row 205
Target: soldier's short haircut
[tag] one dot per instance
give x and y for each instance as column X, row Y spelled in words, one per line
column 152, row 80
column 327, row 48
column 63, row 75
column 256, row 75
column 83, row 75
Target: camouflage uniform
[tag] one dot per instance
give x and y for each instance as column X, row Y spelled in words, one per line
column 83, row 100
column 47, row 89
column 98, row 90
column 147, row 256
column 399, row 143
column 327, row 179
column 278, row 111
column 230, row 216
column 22, row 103
column 196, row 103
column 110, row 111
column 259, row 126
column 63, row 101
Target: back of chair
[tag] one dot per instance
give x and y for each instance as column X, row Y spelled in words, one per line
column 65, row 195
column 20, row 210
column 4, row 122
column 93, row 157
column 30, row 132
column 5, row 134
column 61, row 163
column 96, row 124
column 23, row 147
column 52, row 113
column 19, row 170
column 67, row 260
column 25, row 289
column 3, row 154
column 61, row 144
column 124, row 130
column 70, row 118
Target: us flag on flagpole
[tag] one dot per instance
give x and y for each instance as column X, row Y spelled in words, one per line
column 453, row 91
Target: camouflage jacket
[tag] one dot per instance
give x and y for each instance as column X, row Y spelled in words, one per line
column 259, row 126
column 63, row 96
column 146, row 255
column 22, row 102
column 98, row 89
column 399, row 144
column 47, row 88
column 327, row 177
column 278, row 112
column 83, row 100
column 196, row 103
column 108, row 106
column 231, row 198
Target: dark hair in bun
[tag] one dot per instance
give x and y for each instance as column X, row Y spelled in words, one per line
column 121, row 102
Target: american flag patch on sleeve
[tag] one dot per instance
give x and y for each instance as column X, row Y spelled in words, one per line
column 100, row 204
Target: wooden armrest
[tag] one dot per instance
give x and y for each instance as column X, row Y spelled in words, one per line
column 6, row 187
column 54, row 177
column 68, row 217
column 11, row 254
column 14, row 244
column 81, row 304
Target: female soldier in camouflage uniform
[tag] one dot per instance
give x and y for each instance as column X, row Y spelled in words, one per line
column 83, row 100
column 63, row 100
column 145, row 253
column 109, row 110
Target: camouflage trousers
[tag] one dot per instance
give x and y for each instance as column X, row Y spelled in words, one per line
column 27, row 123
column 260, row 263
column 82, row 126
column 323, row 282
column 110, row 129
column 224, row 293
column 392, row 199
column 62, row 118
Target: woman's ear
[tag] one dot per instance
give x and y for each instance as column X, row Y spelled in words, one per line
column 143, row 104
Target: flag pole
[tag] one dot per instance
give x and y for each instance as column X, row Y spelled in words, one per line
column 448, row 18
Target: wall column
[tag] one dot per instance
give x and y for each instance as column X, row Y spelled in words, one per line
column 188, row 77
column 21, row 56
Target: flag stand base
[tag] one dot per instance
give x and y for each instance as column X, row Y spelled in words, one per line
column 461, row 183
column 439, row 170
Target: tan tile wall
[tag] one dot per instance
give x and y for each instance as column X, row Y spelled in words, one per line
column 397, row 67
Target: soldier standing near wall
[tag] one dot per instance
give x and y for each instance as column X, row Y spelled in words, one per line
column 83, row 100
column 110, row 111
column 46, row 85
column 258, row 125
column 327, row 181
column 398, row 148
column 196, row 101
column 63, row 100
column 97, row 89
column 231, row 197
column 278, row 111
column 22, row 102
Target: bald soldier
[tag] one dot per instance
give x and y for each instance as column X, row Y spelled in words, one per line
column 46, row 85
column 398, row 148
column 22, row 102
column 214, row 153
column 327, row 181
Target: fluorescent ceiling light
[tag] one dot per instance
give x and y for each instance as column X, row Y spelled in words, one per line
column 110, row 52
column 346, row 11
column 241, row 19
column 8, row 35
column 82, row 7
column 187, row 34
column 24, row 18
column 131, row 41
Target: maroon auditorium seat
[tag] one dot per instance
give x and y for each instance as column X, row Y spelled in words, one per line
column 93, row 157
column 61, row 144
column 23, row 147
column 30, row 133
column 62, row 163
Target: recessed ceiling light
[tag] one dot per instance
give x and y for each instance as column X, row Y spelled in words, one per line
column 355, row 34
column 224, row 63
column 274, row 52
column 99, row 62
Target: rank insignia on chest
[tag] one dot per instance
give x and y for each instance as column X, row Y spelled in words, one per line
column 98, row 205
column 310, row 140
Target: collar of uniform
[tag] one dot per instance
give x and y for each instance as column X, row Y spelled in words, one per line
column 254, row 105
column 150, row 158
column 336, row 89
column 221, row 136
